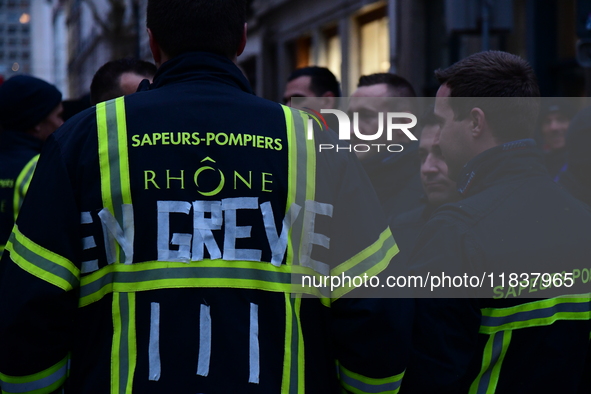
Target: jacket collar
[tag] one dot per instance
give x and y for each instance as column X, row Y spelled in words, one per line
column 516, row 159
column 200, row 66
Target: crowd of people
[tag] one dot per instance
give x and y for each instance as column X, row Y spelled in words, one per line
column 163, row 227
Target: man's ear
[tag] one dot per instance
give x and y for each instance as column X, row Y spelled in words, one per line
column 242, row 42
column 155, row 49
column 479, row 122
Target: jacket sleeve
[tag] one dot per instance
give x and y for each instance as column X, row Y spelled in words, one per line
column 371, row 335
column 445, row 330
column 22, row 184
column 39, row 282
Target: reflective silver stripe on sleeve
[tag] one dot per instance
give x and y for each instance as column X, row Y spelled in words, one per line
column 391, row 387
column 253, row 356
column 204, row 341
column 540, row 313
column 44, row 383
column 154, row 347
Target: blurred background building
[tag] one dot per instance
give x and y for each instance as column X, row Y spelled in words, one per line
column 66, row 41
column 409, row 37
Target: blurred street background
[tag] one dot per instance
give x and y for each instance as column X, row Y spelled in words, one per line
column 65, row 41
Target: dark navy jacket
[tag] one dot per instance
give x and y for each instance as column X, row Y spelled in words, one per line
column 161, row 253
column 396, row 179
column 17, row 149
column 513, row 219
column 406, row 229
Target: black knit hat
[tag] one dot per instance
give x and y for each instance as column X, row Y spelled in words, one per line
column 25, row 101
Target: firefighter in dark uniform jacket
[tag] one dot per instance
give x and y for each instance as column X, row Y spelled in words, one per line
column 392, row 170
column 166, row 236
column 30, row 110
column 528, row 336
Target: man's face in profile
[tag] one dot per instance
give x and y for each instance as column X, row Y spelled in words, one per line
column 554, row 128
column 454, row 135
column 51, row 123
column 437, row 185
column 301, row 88
column 368, row 102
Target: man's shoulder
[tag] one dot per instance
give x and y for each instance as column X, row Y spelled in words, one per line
column 77, row 126
column 457, row 212
column 412, row 218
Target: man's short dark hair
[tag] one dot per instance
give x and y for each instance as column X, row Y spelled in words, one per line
column 105, row 83
column 180, row 26
column 398, row 85
column 322, row 80
column 495, row 74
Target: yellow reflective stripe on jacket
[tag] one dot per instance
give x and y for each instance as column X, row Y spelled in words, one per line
column 371, row 261
column 536, row 313
column 113, row 154
column 492, row 360
column 292, row 172
column 301, row 174
column 153, row 275
column 41, row 262
column 359, row 384
column 124, row 350
column 114, row 161
column 2, row 249
column 293, row 381
column 42, row 382
column 22, row 184
column 116, row 191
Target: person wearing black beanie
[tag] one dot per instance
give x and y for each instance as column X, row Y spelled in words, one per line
column 30, row 110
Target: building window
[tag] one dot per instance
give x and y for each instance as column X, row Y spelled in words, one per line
column 11, row 29
column 12, row 17
column 333, row 51
column 25, row 55
column 374, row 42
column 302, row 52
